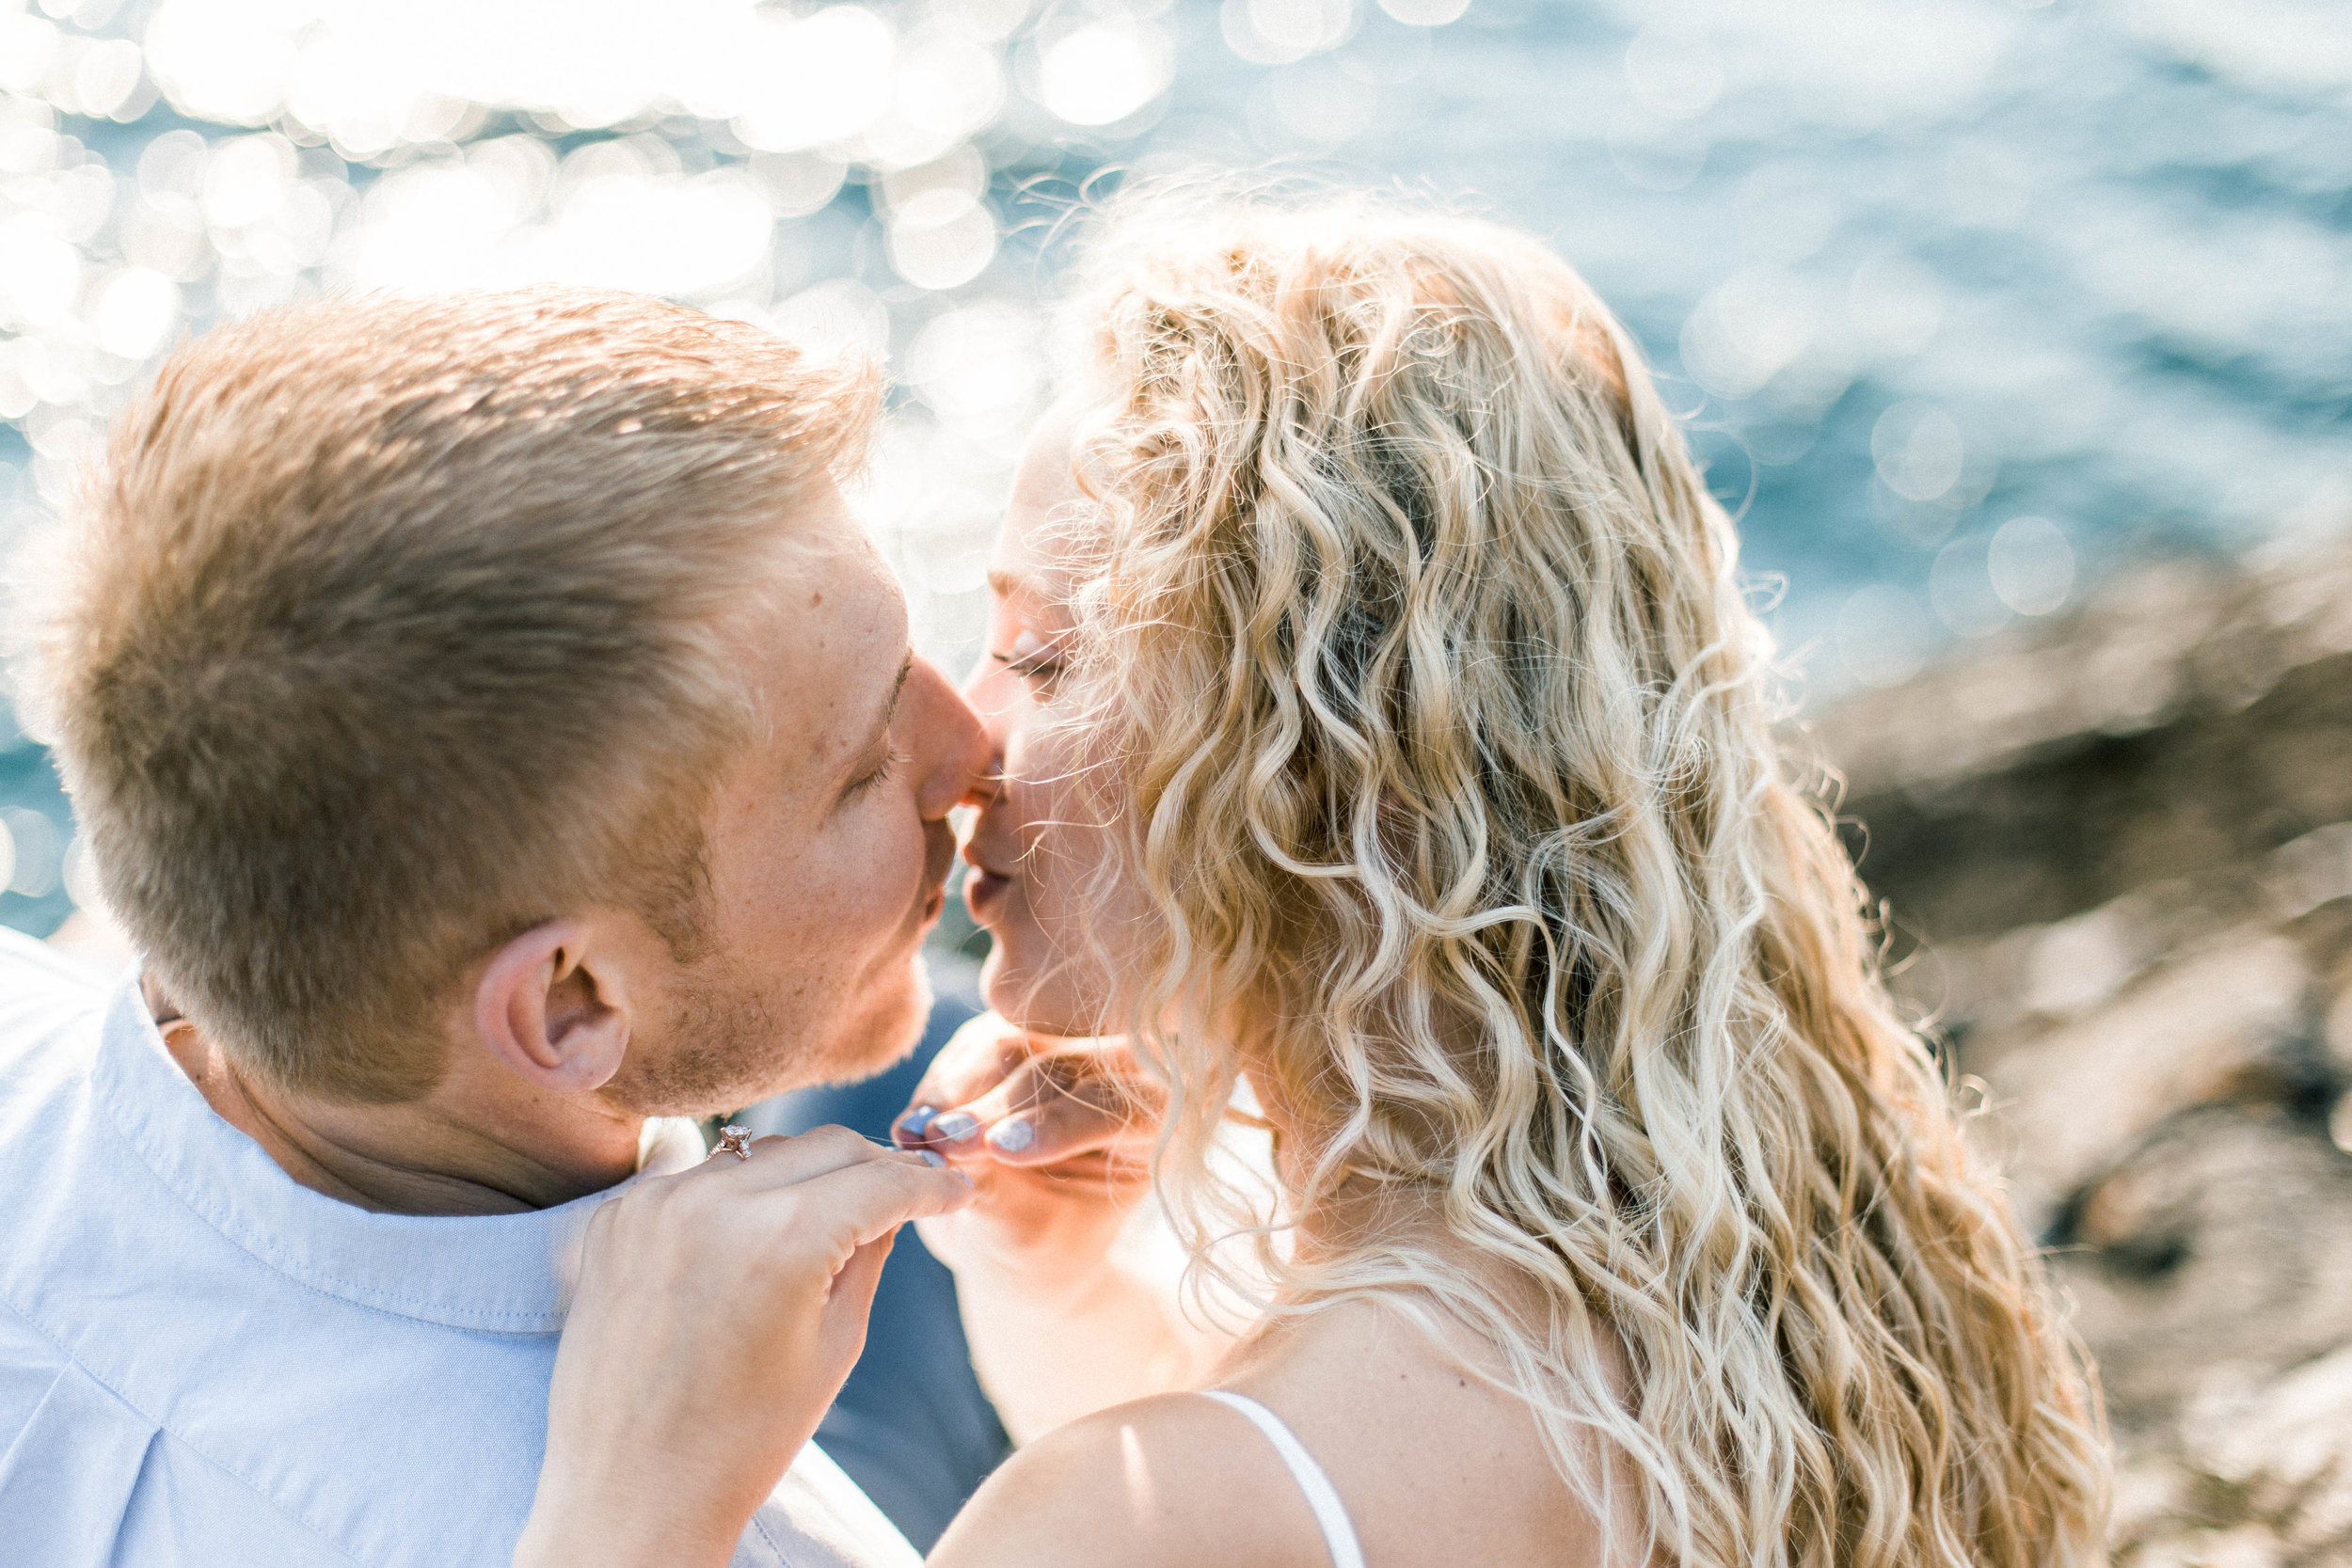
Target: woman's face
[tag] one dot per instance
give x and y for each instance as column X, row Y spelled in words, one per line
column 1034, row 853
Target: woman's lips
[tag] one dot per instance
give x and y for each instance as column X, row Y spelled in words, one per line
column 984, row 893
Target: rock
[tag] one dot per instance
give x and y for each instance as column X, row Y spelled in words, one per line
column 2289, row 1446
column 2339, row 1033
column 2089, row 784
column 2079, row 1093
column 2116, row 854
column 2218, row 1248
column 2255, row 1473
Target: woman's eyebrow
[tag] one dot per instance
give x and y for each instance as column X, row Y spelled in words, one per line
column 1009, row 584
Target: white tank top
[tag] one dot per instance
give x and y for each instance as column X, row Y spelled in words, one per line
column 1338, row 1536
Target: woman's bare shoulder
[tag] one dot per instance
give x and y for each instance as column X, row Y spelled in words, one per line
column 1172, row 1482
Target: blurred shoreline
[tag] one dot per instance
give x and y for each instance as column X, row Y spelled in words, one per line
column 2118, row 852
column 1967, row 303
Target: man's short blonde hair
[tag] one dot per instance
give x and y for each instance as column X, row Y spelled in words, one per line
column 392, row 627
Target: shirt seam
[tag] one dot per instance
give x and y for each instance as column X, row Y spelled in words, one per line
column 319, row 1286
column 318, row 1281
column 768, row 1540
column 164, row 1428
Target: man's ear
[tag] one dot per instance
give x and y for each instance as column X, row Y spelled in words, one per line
column 554, row 1009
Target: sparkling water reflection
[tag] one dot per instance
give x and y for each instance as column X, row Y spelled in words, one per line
column 1966, row 300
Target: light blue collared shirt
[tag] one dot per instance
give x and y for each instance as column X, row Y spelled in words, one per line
column 204, row 1362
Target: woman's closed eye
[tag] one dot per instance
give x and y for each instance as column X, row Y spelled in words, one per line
column 1031, row 657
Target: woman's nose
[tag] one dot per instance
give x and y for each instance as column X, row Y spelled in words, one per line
column 994, row 693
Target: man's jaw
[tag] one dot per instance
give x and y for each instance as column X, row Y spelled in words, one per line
column 885, row 1019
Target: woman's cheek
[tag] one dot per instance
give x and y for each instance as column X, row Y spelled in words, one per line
column 1057, row 872
column 1086, row 916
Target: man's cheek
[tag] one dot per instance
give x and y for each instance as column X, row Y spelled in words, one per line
column 884, row 879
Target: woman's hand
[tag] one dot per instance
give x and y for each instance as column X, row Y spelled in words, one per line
column 1057, row 1135
column 718, row 1313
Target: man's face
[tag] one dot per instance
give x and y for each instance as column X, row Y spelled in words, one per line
column 827, row 844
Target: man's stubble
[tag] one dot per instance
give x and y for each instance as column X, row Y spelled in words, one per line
column 732, row 1050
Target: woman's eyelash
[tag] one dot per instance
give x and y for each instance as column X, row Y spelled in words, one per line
column 1030, row 655
column 1044, row 662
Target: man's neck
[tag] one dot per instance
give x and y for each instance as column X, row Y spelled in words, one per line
column 467, row 1147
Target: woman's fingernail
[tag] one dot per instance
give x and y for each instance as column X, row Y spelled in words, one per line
column 934, row 1159
column 913, row 1122
column 1013, row 1135
column 955, row 1126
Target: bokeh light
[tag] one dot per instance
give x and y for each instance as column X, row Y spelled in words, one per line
column 1102, row 72
column 2031, row 565
column 1966, row 300
column 1882, row 634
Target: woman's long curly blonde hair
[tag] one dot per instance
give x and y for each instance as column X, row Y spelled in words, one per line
column 1424, row 676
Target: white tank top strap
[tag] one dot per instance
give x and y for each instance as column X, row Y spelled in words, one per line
column 1339, row 1535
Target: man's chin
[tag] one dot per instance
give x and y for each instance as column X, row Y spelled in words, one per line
column 886, row 1030
column 741, row 1059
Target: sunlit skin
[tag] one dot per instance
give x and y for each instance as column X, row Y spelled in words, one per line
column 1434, row 1465
column 1034, row 854
column 828, row 848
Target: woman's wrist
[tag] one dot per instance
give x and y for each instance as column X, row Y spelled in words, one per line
column 653, row 1491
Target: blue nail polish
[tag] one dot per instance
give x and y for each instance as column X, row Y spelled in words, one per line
column 913, row 1122
column 1013, row 1135
column 955, row 1126
column 934, row 1159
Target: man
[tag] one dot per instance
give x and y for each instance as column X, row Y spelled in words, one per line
column 499, row 742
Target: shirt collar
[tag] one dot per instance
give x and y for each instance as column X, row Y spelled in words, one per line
column 501, row 1273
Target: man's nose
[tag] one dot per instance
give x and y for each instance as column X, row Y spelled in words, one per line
column 951, row 738
column 990, row 691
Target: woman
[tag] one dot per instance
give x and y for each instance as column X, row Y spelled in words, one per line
column 1385, row 730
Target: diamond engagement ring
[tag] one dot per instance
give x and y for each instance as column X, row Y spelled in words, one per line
column 734, row 1140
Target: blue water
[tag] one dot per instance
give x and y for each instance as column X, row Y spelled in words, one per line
column 1913, row 271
